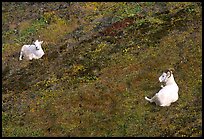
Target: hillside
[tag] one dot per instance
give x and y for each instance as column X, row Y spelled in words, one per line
column 101, row 60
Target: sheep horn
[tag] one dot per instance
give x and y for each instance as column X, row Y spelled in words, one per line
column 170, row 73
column 171, row 70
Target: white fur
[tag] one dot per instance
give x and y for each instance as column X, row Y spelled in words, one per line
column 169, row 93
column 30, row 52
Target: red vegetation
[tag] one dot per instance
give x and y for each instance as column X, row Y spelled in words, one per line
column 118, row 26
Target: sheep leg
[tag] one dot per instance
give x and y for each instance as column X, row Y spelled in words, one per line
column 30, row 58
column 150, row 100
column 21, row 55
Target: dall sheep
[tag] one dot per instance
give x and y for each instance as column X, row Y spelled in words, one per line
column 32, row 51
column 169, row 93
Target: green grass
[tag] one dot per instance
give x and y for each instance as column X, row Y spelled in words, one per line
column 98, row 88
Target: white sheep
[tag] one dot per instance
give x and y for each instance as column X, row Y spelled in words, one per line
column 32, row 51
column 169, row 93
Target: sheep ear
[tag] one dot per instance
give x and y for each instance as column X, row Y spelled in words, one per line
column 36, row 41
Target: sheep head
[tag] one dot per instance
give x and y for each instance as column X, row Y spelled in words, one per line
column 166, row 75
column 38, row 44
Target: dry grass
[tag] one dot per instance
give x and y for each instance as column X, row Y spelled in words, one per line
column 56, row 30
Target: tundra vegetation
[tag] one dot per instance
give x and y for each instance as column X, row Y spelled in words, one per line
column 101, row 60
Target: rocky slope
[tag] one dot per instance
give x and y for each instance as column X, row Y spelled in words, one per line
column 101, row 60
